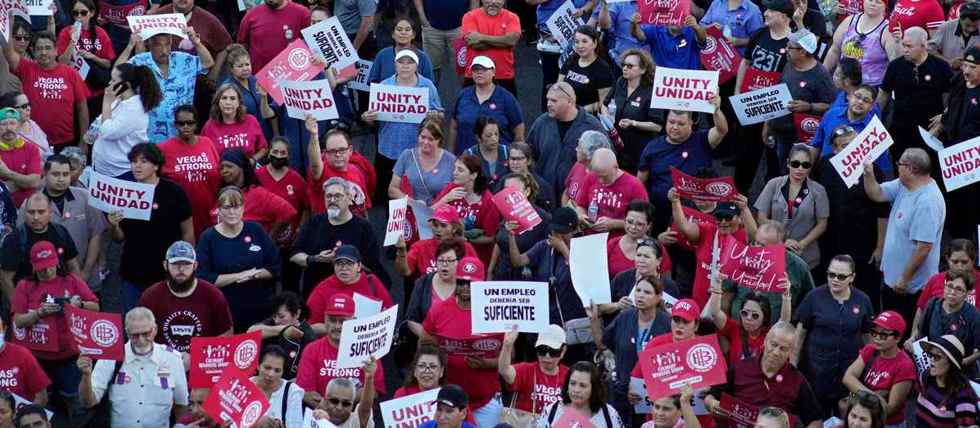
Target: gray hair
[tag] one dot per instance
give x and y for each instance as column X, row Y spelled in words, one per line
column 782, row 327
column 917, row 34
column 605, row 156
column 591, row 140
column 342, row 382
column 918, row 160
column 337, row 181
column 776, row 227
column 140, row 313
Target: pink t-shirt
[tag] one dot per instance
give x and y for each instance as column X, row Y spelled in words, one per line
column 292, row 188
column 886, row 372
column 20, row 373
column 534, row 386
column 53, row 93
column 26, row 160
column 267, row 31
column 246, row 135
column 318, row 365
column 610, row 201
column 196, row 169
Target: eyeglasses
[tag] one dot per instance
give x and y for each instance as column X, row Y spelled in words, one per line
column 334, row 196
column 339, row 402
column 427, row 367
column 183, row 123
column 950, row 285
column 343, row 264
column 799, row 164
column 628, row 65
column 883, row 334
column 24, row 106
column 838, row 276
column 336, row 152
column 445, row 262
column 549, row 351
column 750, row 315
column 79, row 13
column 935, row 356
column 135, row 334
column 775, row 412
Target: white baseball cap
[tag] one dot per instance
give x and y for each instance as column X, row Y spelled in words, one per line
column 483, row 61
column 407, row 53
column 553, row 336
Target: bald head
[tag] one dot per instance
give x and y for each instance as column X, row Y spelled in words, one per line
column 604, row 165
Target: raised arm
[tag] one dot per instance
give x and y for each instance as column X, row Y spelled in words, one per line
column 717, row 132
column 506, row 370
column 871, row 186
column 685, row 226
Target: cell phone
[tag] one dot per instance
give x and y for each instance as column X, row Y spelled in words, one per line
column 120, row 87
column 60, row 301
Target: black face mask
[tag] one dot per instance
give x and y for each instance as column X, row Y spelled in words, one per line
column 278, row 162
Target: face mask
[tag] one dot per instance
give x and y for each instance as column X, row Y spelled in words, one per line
column 278, row 162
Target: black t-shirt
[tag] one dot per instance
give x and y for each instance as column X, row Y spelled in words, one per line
column 293, row 348
column 971, row 115
column 765, row 53
column 563, row 128
column 317, row 235
column 636, row 106
column 813, row 86
column 16, row 255
column 147, row 241
column 587, row 80
column 917, row 92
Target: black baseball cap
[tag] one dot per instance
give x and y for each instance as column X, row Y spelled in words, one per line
column 348, row 252
column 452, row 395
column 784, row 6
column 972, row 55
column 563, row 220
column 725, row 209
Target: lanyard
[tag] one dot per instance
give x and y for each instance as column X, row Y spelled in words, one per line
column 642, row 336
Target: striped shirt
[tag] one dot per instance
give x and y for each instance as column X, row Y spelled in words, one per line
column 935, row 409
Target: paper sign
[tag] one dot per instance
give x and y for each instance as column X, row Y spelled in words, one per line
column 295, row 63
column 930, row 141
column 742, row 414
column 21, row 402
column 562, row 24
column 806, row 127
column 759, row 268
column 41, row 336
column 667, row 369
column 719, row 54
column 360, row 80
column 237, row 399
column 663, row 12
column 406, row 104
column 866, row 147
column 329, row 41
column 690, row 90
column 210, row 356
column 397, row 208
column 365, row 337
column 960, row 164
column 514, row 206
column 704, row 189
column 644, row 406
column 365, row 306
column 151, row 25
column 311, row 97
column 410, row 410
column 422, row 213
column 309, row 422
column 98, row 335
column 8, row 8
column 110, row 195
column 761, row 105
column 589, row 267
column 571, row 418
column 482, row 347
column 498, row 306
column 80, row 65
column 40, row 7
column 244, row 5
column 757, row 79
column 919, row 356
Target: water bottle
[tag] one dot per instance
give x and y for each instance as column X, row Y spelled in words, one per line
column 610, row 126
column 593, row 210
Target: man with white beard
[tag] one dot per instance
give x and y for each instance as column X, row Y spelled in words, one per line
column 322, row 234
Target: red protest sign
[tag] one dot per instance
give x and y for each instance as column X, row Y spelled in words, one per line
column 295, row 63
column 669, row 368
column 571, row 418
column 705, row 189
column 719, row 54
column 758, row 79
column 514, row 206
column 236, row 398
column 758, row 268
column 483, row 347
column 806, row 126
column 742, row 414
column 459, row 49
column 210, row 356
column 98, row 335
column 42, row 336
column 663, row 12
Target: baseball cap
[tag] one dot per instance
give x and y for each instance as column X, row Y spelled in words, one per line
column 553, row 336
column 340, row 305
column 687, row 309
column 784, row 6
column 725, row 209
column 806, row 40
column 9, row 113
column 43, row 255
column 470, row 269
column 407, row 53
column 446, row 214
column 452, row 395
column 563, row 220
column 972, row 55
column 181, row 251
column 890, row 320
column 483, row 61
column 348, row 252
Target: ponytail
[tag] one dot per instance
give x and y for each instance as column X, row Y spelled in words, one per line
column 143, row 82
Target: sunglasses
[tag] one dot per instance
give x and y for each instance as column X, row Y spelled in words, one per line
column 775, row 412
column 549, row 351
column 843, row 130
column 798, row 164
column 724, row 217
column 339, row 402
column 22, row 38
column 750, row 315
column 79, row 13
column 23, row 106
column 935, row 356
column 838, row 276
column 185, row 122
column 884, row 334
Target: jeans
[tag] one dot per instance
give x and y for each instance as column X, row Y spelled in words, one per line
column 438, row 44
column 489, row 414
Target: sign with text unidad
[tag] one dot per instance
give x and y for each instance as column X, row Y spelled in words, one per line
column 689, row 90
column 295, row 63
column 761, row 105
column 397, row 210
column 866, row 147
column 313, row 97
column 498, row 306
column 663, row 12
column 110, row 195
column 406, row 104
column 410, row 410
column 151, row 25
column 365, row 337
column 329, row 41
column 960, row 164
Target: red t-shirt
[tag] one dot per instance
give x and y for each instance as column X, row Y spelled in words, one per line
column 368, row 285
column 886, row 372
column 20, row 373
column 26, row 160
column 196, row 169
column 575, row 180
column 101, row 46
column 482, row 214
column 267, row 31
column 733, row 332
column 618, row 262
column 53, row 93
column 703, row 260
column 292, row 188
column 318, row 365
column 599, row 200
column 204, row 313
column 265, row 207
column 361, row 201
column 505, row 22
column 421, row 256
column 926, row 14
column 246, row 135
column 29, row 295
column 534, row 386
column 934, row 290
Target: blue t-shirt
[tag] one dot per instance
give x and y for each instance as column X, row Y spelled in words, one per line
column 915, row 217
column 836, row 116
column 502, row 106
column 619, row 36
column 425, row 184
column 383, row 66
column 659, row 155
column 680, row 51
column 741, row 22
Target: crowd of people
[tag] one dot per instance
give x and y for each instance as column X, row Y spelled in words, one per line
column 265, row 223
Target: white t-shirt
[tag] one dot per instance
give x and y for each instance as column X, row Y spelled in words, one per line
column 294, row 404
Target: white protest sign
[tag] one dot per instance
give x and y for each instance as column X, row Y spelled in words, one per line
column 562, row 24
column 866, row 147
column 406, row 104
column 360, row 80
column 960, row 164
column 40, row 7
column 365, row 306
column 80, row 65
column 329, row 41
column 919, row 357
column 313, row 97
column 309, row 422
column 422, row 214
column 644, row 406
column 110, row 195
column 762, row 104
column 589, row 267
column 397, row 209
column 151, row 25
column 930, row 141
column 9, row 8
column 410, row 410
column 498, row 306
column 689, row 90
column 365, row 337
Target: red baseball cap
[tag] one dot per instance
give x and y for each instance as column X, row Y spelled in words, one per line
column 43, row 255
column 891, row 320
column 686, row 309
column 340, row 305
column 470, row 269
column 446, row 214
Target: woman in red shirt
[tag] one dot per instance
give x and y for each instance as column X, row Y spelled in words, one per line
column 621, row 250
column 747, row 335
column 468, row 193
column 92, row 43
column 231, row 127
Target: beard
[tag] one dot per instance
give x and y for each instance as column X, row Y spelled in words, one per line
column 180, row 287
column 333, row 212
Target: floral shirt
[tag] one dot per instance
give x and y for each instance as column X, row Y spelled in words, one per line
column 177, row 87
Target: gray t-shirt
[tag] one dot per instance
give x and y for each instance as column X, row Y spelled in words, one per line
column 425, row 184
column 814, row 85
column 916, row 216
column 350, row 12
column 808, row 207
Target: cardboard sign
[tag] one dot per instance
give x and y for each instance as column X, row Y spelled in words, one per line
column 720, row 55
column 110, row 195
column 760, row 268
column 295, row 63
column 397, row 209
column 514, row 206
column 571, row 418
column 151, row 25
column 806, row 127
column 329, row 41
column 404, row 104
column 758, row 79
column 80, row 65
column 312, row 97
column 40, row 7
column 98, row 335
column 866, row 147
column 8, row 8
column 360, row 80
column 481, row 347
column 365, row 306
column 589, row 266
column 42, row 336
column 706, row 189
column 667, row 369
column 960, row 164
column 690, row 90
column 761, row 105
column 498, row 306
column 210, row 356
column 410, row 410
column 663, row 12
column 562, row 24
column 237, row 399
column 365, row 337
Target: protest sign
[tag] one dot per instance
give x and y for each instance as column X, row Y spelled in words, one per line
column 866, row 147
column 757, row 79
column 481, row 346
column 663, row 12
column 410, row 410
column 919, row 356
column 98, row 335
column 806, row 127
column 690, row 90
column 295, row 63
column 329, row 41
column 667, row 369
column 237, row 399
column 365, row 337
column 422, row 213
column 21, row 402
column 705, row 189
column 397, row 209
column 761, row 105
column 40, row 7
column 743, row 415
column 960, row 164
column 110, row 195
column 365, row 306
column 514, row 206
column 719, row 54
column 8, row 8
column 311, row 97
column 150, row 25
column 360, row 80
column 930, row 141
column 498, row 306
column 210, row 356
column 80, row 65
column 571, row 418
column 562, row 24
column 759, row 268
column 589, row 266
column 41, row 336
column 644, row 406
column 406, row 104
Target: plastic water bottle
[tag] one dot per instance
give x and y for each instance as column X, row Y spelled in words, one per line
column 609, row 126
column 593, row 210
